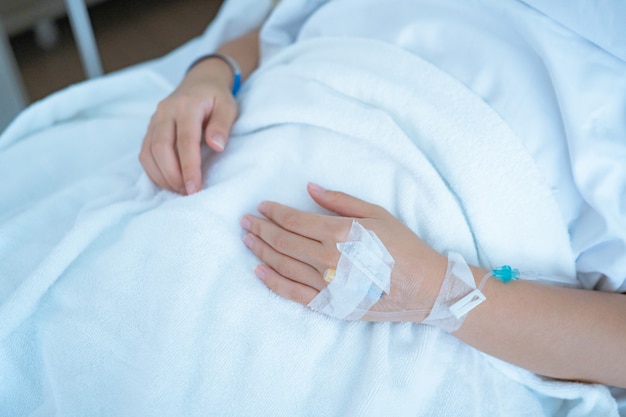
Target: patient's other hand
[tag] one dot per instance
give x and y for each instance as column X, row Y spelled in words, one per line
column 201, row 105
column 297, row 247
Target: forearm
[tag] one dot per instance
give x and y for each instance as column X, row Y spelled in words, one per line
column 244, row 50
column 557, row 332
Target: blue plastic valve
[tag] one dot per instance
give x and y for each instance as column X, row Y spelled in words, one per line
column 505, row 273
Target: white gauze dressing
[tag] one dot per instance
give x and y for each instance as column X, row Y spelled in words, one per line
column 363, row 275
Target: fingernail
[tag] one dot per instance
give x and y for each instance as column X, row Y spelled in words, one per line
column 190, row 187
column 245, row 223
column 248, row 240
column 262, row 207
column 219, row 141
column 260, row 272
column 315, row 188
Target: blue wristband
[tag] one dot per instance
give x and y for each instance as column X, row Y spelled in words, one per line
column 231, row 63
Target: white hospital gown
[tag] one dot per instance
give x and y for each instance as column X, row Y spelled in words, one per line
column 561, row 94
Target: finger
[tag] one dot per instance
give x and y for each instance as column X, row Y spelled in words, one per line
column 165, row 155
column 149, row 164
column 344, row 204
column 217, row 131
column 312, row 225
column 188, row 139
column 284, row 265
column 285, row 287
column 153, row 171
column 293, row 245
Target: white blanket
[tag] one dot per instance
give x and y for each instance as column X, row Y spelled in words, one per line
column 117, row 298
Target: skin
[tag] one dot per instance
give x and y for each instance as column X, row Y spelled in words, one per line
column 297, row 253
column 201, row 108
column 561, row 333
column 535, row 326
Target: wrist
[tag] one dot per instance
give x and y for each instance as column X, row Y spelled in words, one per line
column 459, row 294
column 211, row 69
column 435, row 275
column 430, row 276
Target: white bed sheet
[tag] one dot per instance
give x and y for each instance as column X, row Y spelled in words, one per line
column 590, row 152
column 561, row 94
column 231, row 24
column 131, row 300
column 556, row 76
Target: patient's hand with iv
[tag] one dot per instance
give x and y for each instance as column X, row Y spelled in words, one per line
column 303, row 255
column 538, row 327
column 361, row 265
column 202, row 108
column 299, row 252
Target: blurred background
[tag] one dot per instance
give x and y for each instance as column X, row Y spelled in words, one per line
column 126, row 31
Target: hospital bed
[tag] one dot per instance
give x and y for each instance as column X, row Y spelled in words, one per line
column 160, row 319
column 13, row 92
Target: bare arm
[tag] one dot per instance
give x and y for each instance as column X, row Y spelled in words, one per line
column 558, row 332
column 561, row 333
column 244, row 50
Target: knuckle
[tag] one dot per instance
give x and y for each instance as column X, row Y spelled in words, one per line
column 280, row 243
column 290, row 220
column 176, row 104
column 188, row 134
column 160, row 147
column 163, row 105
column 285, row 268
column 160, row 105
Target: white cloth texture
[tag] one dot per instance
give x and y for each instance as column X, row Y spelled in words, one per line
column 559, row 92
column 118, row 298
column 554, row 71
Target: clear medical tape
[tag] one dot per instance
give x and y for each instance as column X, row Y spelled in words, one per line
column 362, row 275
column 459, row 295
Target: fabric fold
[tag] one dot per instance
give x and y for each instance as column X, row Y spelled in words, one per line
column 158, row 312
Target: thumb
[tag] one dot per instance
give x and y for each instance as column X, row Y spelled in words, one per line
column 221, row 120
column 343, row 204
